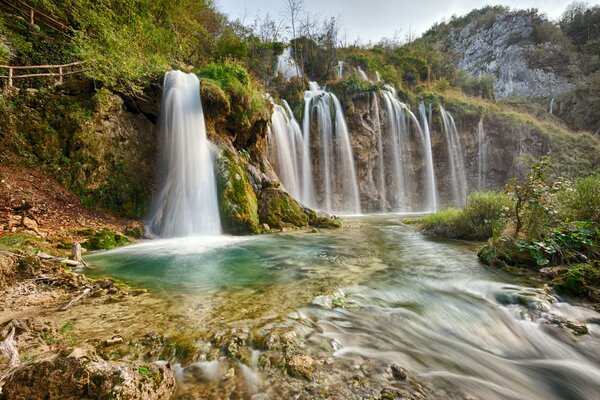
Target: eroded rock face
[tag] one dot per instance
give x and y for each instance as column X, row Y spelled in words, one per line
column 506, row 49
column 80, row 373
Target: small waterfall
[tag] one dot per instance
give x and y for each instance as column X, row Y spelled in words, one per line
column 287, row 66
column 186, row 203
column 362, row 74
column 340, row 69
column 552, row 106
column 336, row 172
column 482, row 155
column 458, row 175
column 378, row 76
column 286, row 147
column 430, row 174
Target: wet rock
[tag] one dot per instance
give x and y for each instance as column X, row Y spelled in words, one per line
column 552, row 272
column 80, row 373
column 301, row 365
column 398, row 372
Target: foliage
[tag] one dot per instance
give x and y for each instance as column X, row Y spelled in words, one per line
column 581, row 201
column 482, row 215
column 246, row 99
column 534, row 207
column 482, row 86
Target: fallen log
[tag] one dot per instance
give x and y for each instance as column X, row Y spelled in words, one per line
column 8, row 347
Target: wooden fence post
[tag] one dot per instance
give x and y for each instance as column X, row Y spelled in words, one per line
column 60, row 75
column 31, row 19
column 10, row 77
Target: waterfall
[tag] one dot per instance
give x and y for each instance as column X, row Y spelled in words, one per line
column 381, row 166
column 430, row 175
column 336, row 174
column 482, row 155
column 552, row 106
column 287, row 66
column 186, row 203
column 378, row 76
column 286, row 147
column 458, row 175
column 340, row 69
column 398, row 134
column 362, row 74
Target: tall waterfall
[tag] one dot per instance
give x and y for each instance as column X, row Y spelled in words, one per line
column 381, row 166
column 287, row 66
column 458, row 176
column 481, row 155
column 551, row 110
column 335, row 186
column 431, row 191
column 398, row 151
column 186, row 203
column 286, row 146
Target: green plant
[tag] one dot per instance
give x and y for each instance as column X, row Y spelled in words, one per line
column 534, row 207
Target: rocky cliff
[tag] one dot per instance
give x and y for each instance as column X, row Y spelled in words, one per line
column 525, row 54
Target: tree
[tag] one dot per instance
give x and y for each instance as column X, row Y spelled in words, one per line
column 294, row 8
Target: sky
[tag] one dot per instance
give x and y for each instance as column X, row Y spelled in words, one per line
column 371, row 20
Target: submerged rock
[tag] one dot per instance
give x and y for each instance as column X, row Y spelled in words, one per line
column 80, row 373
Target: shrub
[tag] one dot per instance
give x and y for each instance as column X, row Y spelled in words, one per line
column 581, row 202
column 480, row 218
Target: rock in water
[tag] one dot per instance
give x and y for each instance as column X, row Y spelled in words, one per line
column 80, row 373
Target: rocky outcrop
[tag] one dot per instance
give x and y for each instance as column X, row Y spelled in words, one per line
column 80, row 373
column 511, row 47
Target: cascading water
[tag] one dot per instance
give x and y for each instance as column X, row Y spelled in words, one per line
column 551, row 106
column 458, row 176
column 482, row 155
column 430, row 174
column 397, row 132
column 186, row 203
column 336, row 188
column 381, row 166
column 286, row 146
column 340, row 69
column 287, row 66
column 362, row 74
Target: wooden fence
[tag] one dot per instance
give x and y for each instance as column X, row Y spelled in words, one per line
column 34, row 15
column 61, row 72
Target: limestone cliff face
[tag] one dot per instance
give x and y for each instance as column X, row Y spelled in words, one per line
column 511, row 48
column 512, row 140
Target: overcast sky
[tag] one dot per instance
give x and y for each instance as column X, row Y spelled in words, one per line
column 374, row 19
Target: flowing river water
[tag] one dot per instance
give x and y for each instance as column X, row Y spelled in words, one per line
column 378, row 290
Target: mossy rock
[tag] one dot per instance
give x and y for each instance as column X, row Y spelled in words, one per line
column 237, row 201
column 215, row 101
column 580, row 280
column 105, row 239
column 279, row 210
column 322, row 220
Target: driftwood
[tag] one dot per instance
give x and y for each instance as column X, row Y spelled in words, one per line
column 8, row 347
column 76, row 253
column 80, row 296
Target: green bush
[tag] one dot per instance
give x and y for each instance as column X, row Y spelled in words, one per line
column 481, row 217
column 581, row 202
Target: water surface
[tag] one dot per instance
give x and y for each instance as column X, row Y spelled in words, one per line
column 380, row 291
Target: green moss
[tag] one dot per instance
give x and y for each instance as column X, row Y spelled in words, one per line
column 237, row 200
column 278, row 209
column 105, row 239
column 215, row 101
column 580, row 279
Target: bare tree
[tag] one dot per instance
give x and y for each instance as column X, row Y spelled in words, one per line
column 294, row 8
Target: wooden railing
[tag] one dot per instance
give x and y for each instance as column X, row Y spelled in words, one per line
column 62, row 71
column 35, row 15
